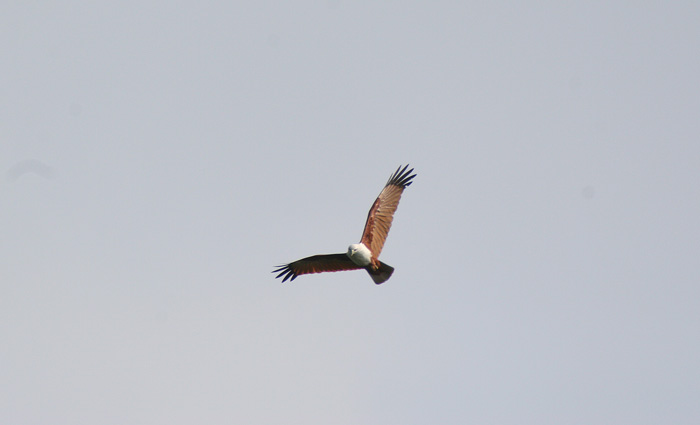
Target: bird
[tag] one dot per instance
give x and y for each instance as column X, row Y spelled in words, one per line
column 363, row 255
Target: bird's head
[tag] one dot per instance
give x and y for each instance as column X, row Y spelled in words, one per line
column 359, row 254
column 352, row 249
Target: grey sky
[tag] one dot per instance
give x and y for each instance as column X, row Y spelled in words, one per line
column 159, row 159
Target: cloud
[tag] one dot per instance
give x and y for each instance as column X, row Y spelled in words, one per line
column 29, row 166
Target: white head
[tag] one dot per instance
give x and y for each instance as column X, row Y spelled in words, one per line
column 359, row 254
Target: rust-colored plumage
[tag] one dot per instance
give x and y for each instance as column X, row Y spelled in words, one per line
column 382, row 212
column 316, row 264
column 365, row 254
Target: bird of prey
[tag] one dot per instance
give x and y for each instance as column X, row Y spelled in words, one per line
column 363, row 255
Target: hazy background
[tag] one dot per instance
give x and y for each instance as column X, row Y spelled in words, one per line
column 158, row 159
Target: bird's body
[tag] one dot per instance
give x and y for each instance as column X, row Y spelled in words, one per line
column 363, row 255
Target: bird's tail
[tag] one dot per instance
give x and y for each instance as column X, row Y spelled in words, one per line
column 382, row 274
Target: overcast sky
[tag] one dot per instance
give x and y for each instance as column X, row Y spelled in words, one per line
column 158, row 159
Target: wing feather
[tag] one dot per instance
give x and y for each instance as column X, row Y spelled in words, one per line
column 315, row 264
column 382, row 212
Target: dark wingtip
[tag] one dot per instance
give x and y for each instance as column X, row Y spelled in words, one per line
column 401, row 177
column 285, row 272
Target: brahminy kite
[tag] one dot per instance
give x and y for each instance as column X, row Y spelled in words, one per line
column 363, row 255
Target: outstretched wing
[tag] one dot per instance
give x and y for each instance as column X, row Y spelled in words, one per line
column 316, row 264
column 382, row 212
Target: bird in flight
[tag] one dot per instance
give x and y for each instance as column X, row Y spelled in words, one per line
column 363, row 255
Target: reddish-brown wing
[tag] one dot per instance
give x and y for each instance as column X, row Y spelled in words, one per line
column 316, row 264
column 382, row 212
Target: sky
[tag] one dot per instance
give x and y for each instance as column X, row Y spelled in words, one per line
column 159, row 159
